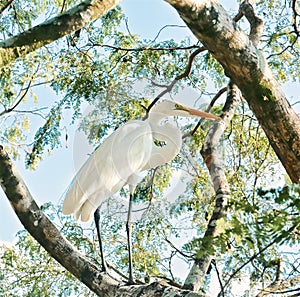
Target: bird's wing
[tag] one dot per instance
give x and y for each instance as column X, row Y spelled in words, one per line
column 108, row 169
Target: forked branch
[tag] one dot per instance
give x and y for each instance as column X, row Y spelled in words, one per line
column 48, row 236
column 213, row 161
column 53, row 29
column 256, row 23
column 168, row 88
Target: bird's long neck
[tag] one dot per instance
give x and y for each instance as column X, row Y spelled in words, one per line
column 167, row 133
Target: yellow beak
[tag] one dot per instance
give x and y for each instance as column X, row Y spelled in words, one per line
column 203, row 114
column 198, row 113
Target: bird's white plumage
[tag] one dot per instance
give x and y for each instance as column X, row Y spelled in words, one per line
column 109, row 168
column 123, row 157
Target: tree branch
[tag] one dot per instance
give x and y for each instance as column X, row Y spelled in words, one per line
column 212, row 160
column 280, row 286
column 17, row 102
column 187, row 71
column 240, row 14
column 247, row 67
column 256, row 23
column 48, row 236
column 257, row 254
column 144, row 48
column 209, row 107
column 279, row 289
column 8, row 3
column 295, row 9
column 53, row 29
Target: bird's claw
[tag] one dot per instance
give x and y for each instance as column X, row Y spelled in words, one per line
column 130, row 282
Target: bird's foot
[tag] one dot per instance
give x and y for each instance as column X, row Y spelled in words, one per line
column 130, row 282
column 104, row 267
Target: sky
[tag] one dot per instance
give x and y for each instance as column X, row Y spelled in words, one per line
column 53, row 175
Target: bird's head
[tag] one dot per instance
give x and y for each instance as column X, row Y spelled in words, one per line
column 172, row 108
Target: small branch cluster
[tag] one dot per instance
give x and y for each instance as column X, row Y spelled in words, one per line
column 296, row 17
column 212, row 159
column 168, row 88
column 43, row 230
column 8, row 3
column 255, row 21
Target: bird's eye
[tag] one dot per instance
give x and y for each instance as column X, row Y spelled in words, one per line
column 178, row 107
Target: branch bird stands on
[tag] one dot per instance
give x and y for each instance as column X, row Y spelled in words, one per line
column 122, row 159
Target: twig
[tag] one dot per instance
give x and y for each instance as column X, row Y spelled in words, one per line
column 219, row 277
column 63, row 6
column 296, row 15
column 187, row 71
column 9, row 2
column 284, row 50
column 127, row 28
column 209, row 107
column 17, row 102
column 175, row 248
column 257, row 254
column 164, row 27
column 144, row 48
column 122, row 274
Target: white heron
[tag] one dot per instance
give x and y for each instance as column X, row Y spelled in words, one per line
column 121, row 159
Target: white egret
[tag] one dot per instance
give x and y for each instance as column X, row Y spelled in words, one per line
column 121, row 159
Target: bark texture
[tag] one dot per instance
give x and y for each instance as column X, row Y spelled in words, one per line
column 280, row 286
column 41, row 228
column 213, row 160
column 247, row 67
column 53, row 29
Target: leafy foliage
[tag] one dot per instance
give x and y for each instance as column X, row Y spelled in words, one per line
column 27, row 270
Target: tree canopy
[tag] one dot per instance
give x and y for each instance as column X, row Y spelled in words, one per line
column 224, row 211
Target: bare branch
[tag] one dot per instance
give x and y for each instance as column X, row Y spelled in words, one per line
column 295, row 8
column 48, row 236
column 164, row 27
column 213, row 161
column 53, row 29
column 17, row 101
column 143, row 48
column 219, row 278
column 9, row 2
column 175, row 248
column 209, row 107
column 257, row 254
column 187, row 71
column 256, row 23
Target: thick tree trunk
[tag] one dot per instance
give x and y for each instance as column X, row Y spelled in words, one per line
column 48, row 236
column 248, row 69
column 53, row 29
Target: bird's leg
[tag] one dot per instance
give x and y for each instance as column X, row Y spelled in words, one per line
column 128, row 229
column 97, row 222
